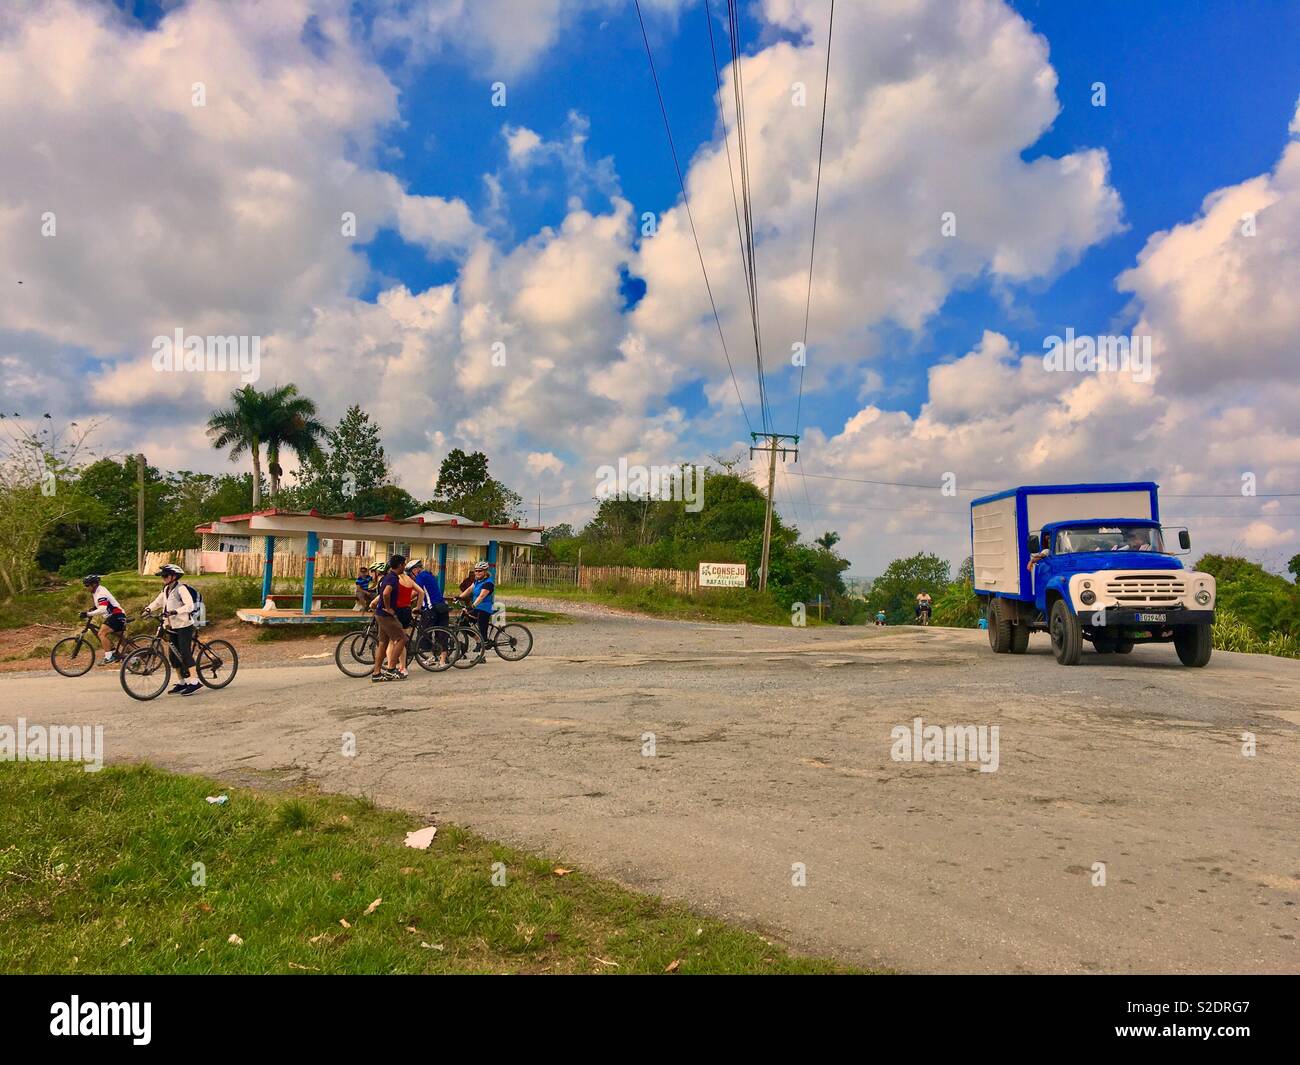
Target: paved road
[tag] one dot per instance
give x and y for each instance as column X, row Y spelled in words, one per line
column 773, row 747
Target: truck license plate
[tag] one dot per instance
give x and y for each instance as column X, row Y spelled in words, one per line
column 1153, row 617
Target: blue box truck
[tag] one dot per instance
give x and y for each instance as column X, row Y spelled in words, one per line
column 1087, row 563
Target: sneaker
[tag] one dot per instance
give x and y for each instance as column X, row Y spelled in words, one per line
column 110, row 658
column 192, row 688
column 381, row 675
column 176, row 689
column 401, row 674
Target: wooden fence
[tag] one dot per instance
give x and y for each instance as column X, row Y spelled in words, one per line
column 509, row 574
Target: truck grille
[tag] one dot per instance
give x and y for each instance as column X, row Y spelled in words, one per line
column 1148, row 589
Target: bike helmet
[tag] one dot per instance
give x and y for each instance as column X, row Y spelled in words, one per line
column 481, row 566
column 378, row 567
column 414, row 563
column 90, row 580
column 171, row 569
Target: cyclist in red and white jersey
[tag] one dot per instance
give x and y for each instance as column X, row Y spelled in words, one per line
column 108, row 608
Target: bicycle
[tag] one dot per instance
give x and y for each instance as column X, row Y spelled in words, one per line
column 67, row 655
column 512, row 642
column 425, row 644
column 147, row 671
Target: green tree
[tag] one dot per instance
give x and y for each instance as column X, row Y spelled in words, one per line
column 351, row 465
column 827, row 540
column 464, row 487
column 38, row 492
column 1293, row 567
column 895, row 590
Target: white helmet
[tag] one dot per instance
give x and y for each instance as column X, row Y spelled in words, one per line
column 171, row 569
column 413, row 563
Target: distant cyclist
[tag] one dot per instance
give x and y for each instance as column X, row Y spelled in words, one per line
column 108, row 608
column 177, row 608
column 923, row 607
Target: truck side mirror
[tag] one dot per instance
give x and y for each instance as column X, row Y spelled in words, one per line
column 1184, row 539
column 1032, row 543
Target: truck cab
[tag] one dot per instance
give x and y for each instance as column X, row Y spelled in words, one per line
column 1110, row 581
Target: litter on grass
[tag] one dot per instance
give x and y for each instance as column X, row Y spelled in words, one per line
column 421, row 839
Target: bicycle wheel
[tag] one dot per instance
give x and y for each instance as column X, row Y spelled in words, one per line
column 434, row 643
column 355, row 653
column 469, row 647
column 145, row 673
column 73, row 656
column 216, row 663
column 513, row 642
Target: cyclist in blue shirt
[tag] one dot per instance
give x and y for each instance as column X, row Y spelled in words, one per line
column 480, row 597
column 435, row 606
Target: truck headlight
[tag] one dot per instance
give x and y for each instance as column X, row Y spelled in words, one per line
column 1087, row 597
column 1203, row 597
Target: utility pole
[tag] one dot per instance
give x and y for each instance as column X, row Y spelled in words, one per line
column 539, row 510
column 773, row 448
column 139, row 512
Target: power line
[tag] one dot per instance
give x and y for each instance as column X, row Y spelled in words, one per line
column 746, row 198
column 690, row 217
column 817, row 196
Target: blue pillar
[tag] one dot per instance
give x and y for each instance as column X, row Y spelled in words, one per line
column 269, row 556
column 442, row 568
column 492, row 560
column 309, row 575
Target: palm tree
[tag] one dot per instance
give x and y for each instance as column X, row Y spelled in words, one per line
column 292, row 425
column 827, row 540
column 277, row 419
column 242, row 427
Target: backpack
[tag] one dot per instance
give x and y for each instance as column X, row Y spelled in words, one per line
column 199, row 615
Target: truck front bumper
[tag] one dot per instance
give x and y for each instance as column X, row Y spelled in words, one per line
column 1145, row 617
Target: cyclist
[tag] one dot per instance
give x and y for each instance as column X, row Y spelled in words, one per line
column 432, row 601
column 480, row 597
column 923, row 605
column 107, row 607
column 177, row 608
column 392, row 634
column 880, row 617
column 365, row 585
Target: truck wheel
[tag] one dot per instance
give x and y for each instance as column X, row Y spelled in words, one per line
column 1019, row 638
column 1067, row 634
column 1103, row 645
column 1192, row 642
column 999, row 629
column 1123, row 647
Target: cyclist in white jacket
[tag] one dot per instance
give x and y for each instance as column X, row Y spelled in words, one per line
column 177, row 608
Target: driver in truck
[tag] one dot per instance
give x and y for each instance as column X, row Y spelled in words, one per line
column 1135, row 540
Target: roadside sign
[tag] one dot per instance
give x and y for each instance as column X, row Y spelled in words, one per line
column 723, row 575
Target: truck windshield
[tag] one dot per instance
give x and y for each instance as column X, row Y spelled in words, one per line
column 1109, row 538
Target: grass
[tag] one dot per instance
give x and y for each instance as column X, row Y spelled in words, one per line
column 708, row 604
column 100, row 873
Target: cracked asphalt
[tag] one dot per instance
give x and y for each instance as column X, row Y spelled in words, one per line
column 772, row 749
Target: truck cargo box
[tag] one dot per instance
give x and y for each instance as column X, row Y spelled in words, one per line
column 1001, row 524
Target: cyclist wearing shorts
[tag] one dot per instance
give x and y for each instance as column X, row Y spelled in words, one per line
column 109, row 609
column 432, row 601
column 392, row 636
column 177, row 608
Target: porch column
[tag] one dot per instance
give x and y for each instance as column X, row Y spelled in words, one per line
column 492, row 560
column 309, row 573
column 269, row 555
column 442, row 568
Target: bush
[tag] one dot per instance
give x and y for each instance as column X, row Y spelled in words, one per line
column 957, row 607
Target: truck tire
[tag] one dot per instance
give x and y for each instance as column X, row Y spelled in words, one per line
column 1123, row 647
column 1020, row 638
column 1193, row 644
column 999, row 629
column 1103, row 645
column 1067, row 634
